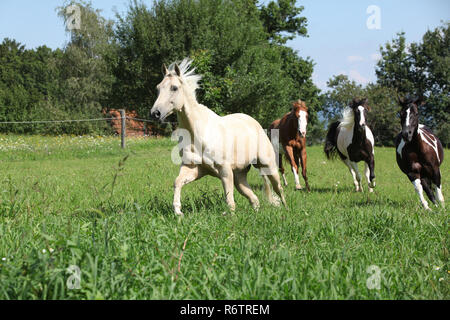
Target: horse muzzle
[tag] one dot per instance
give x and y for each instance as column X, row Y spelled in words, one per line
column 155, row 115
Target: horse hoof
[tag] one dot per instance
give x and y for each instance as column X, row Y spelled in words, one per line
column 370, row 190
column 299, row 187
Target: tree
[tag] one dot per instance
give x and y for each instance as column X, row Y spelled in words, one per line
column 243, row 70
column 343, row 90
column 26, row 81
column 382, row 118
column 282, row 22
column 421, row 69
column 85, row 69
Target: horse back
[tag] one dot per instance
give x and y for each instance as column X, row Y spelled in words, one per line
column 430, row 146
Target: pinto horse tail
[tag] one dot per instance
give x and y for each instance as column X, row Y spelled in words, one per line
column 330, row 147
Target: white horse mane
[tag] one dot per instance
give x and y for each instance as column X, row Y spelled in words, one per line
column 188, row 76
column 348, row 118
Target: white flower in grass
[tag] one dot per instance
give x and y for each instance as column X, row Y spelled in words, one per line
column 441, row 279
column 50, row 250
column 437, row 268
column 3, row 259
column 44, row 251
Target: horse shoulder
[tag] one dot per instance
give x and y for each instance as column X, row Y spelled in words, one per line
column 344, row 139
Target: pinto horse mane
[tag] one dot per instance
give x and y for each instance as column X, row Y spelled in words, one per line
column 348, row 114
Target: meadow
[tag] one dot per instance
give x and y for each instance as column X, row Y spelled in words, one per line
column 83, row 201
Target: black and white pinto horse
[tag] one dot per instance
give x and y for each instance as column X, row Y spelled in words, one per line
column 353, row 141
column 419, row 153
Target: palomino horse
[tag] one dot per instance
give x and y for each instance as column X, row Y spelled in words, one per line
column 353, row 141
column 292, row 135
column 223, row 147
column 419, row 153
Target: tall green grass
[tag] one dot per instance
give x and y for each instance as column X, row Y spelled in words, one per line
column 85, row 202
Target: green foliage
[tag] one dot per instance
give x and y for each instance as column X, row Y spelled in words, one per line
column 382, row 118
column 236, row 45
column 73, row 83
column 282, row 22
column 421, row 69
column 242, row 70
column 341, row 94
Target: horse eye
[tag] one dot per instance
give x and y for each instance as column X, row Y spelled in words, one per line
column 174, row 88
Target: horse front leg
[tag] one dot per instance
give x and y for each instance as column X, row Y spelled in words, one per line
column 354, row 174
column 187, row 174
column 291, row 157
column 303, row 162
column 415, row 179
column 226, row 175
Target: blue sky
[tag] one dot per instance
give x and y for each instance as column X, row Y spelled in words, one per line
column 339, row 40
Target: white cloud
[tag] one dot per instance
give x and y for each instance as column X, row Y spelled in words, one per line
column 322, row 85
column 355, row 75
column 375, row 56
column 355, row 58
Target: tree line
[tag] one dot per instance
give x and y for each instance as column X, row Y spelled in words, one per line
column 239, row 46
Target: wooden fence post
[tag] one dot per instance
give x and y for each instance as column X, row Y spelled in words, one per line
column 122, row 128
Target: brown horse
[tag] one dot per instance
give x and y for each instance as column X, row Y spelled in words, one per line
column 292, row 135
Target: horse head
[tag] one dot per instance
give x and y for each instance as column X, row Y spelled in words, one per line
column 300, row 110
column 409, row 115
column 360, row 108
column 178, row 81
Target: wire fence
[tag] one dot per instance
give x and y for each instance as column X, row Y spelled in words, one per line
column 122, row 120
column 83, row 120
column 123, row 128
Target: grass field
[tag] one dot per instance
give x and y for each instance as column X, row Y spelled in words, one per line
column 75, row 201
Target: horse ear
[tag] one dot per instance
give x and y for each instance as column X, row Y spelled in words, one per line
column 401, row 100
column 164, row 70
column 420, row 100
column 177, row 70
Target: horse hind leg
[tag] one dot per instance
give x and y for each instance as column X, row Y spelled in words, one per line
column 303, row 163
column 438, row 186
column 280, row 165
column 270, row 197
column 274, row 179
column 241, row 184
column 367, row 174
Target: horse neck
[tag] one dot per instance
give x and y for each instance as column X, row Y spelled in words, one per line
column 192, row 116
column 357, row 136
column 416, row 137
